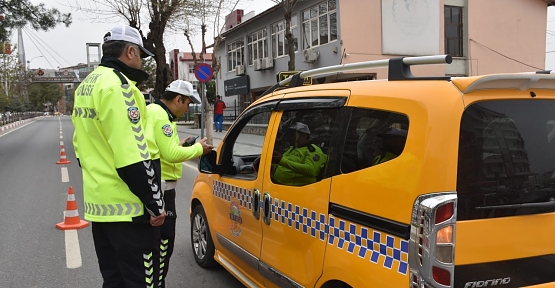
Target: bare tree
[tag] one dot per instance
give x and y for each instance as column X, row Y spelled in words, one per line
column 161, row 15
column 288, row 7
column 202, row 14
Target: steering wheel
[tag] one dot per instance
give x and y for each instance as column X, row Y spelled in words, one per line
column 256, row 163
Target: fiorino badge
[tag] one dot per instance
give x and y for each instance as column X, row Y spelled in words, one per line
column 133, row 114
column 168, row 131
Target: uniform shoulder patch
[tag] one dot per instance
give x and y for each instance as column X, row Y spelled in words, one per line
column 168, row 131
column 133, row 114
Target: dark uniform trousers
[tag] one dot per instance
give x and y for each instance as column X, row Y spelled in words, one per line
column 167, row 235
column 128, row 253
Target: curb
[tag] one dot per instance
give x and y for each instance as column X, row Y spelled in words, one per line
column 15, row 124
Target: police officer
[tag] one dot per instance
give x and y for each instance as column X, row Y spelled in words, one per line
column 301, row 163
column 393, row 143
column 162, row 114
column 121, row 172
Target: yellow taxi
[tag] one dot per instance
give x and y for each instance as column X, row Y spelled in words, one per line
column 405, row 182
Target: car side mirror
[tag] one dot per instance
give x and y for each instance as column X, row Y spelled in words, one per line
column 207, row 163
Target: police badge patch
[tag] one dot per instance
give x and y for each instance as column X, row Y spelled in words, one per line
column 168, row 131
column 133, row 114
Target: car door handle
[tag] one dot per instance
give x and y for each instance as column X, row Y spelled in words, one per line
column 255, row 202
column 267, row 214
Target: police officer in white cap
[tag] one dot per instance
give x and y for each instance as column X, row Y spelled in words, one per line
column 162, row 115
column 121, row 173
column 302, row 162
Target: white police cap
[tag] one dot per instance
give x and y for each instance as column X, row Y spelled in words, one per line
column 184, row 88
column 128, row 34
column 300, row 127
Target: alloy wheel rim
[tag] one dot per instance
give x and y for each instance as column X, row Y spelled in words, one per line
column 199, row 236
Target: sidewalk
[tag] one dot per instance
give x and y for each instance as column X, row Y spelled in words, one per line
column 16, row 123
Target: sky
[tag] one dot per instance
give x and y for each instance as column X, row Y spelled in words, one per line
column 66, row 46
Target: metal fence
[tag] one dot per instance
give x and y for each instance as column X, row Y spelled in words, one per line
column 7, row 118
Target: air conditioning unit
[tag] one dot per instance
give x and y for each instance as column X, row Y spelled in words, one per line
column 258, row 65
column 268, row 62
column 311, row 55
column 239, row 70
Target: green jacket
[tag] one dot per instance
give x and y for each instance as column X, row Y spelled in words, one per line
column 300, row 166
column 167, row 140
column 115, row 150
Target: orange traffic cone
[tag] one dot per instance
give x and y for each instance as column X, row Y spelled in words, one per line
column 71, row 218
column 63, row 157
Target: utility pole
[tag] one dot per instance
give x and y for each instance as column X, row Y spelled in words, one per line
column 21, row 48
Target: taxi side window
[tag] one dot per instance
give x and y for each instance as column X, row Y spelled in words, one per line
column 373, row 137
column 247, row 148
column 300, row 152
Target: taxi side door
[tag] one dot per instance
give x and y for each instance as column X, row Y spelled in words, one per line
column 295, row 213
column 236, row 193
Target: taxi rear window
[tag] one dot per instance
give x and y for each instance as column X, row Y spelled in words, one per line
column 506, row 157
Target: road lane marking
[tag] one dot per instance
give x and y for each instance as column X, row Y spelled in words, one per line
column 65, row 175
column 61, row 137
column 15, row 129
column 73, row 250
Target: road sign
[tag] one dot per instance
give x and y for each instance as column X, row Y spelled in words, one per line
column 282, row 75
column 203, row 72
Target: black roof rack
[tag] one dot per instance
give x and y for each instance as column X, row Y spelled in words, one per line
column 399, row 69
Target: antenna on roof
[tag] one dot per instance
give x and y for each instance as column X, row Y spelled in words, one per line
column 399, row 69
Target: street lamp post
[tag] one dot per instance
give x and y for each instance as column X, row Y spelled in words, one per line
column 29, row 61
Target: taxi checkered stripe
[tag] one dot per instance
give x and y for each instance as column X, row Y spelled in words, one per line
column 366, row 243
column 227, row 191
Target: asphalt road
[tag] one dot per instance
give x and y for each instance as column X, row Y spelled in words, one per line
column 32, row 201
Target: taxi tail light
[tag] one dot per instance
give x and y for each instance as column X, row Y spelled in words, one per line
column 432, row 240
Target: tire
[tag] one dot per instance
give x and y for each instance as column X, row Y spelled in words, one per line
column 201, row 240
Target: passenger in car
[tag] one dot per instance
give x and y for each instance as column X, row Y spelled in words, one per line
column 393, row 143
column 301, row 163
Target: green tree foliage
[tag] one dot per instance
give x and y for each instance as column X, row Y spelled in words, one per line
column 44, row 94
column 22, row 12
column 13, row 82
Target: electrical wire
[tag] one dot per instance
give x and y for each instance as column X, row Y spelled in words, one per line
column 496, row 52
column 40, row 51
column 34, row 37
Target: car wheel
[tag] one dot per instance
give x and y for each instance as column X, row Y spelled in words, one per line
column 201, row 240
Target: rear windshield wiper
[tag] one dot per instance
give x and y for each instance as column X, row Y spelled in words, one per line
column 548, row 204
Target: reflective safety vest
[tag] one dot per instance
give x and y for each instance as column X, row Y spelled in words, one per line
column 167, row 140
column 110, row 133
column 300, row 166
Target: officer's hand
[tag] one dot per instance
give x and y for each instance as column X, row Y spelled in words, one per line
column 158, row 220
column 184, row 140
column 206, row 148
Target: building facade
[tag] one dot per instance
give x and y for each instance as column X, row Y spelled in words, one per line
column 183, row 65
column 483, row 37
